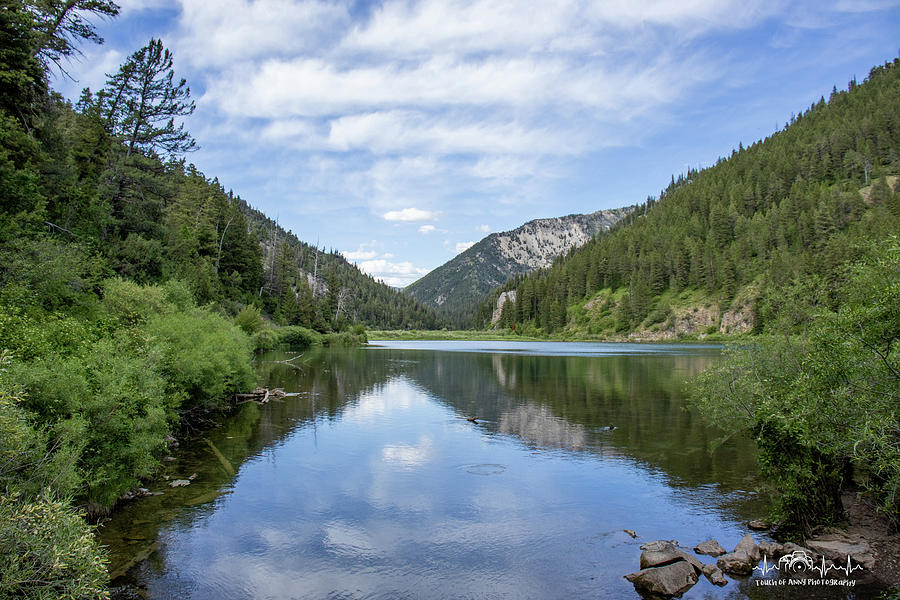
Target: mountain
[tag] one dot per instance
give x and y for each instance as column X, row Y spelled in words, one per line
column 759, row 241
column 458, row 285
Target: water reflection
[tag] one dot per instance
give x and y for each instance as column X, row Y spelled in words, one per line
column 372, row 484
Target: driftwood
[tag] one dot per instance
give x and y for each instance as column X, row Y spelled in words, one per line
column 262, row 395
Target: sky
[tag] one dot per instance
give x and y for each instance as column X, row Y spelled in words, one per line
column 401, row 132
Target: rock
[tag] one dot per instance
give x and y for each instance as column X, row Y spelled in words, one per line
column 630, row 532
column 658, row 553
column 771, row 549
column 169, row 459
column 710, row 548
column 658, row 545
column 736, row 563
column 759, row 525
column 179, row 483
column 193, row 477
column 669, row 580
column 714, row 575
column 692, row 560
column 748, row 547
column 838, row 546
column 663, row 552
column 742, row 560
column 792, row 548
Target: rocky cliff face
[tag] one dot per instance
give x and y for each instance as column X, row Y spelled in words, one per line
column 457, row 286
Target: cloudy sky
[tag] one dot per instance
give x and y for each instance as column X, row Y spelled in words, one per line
column 400, row 132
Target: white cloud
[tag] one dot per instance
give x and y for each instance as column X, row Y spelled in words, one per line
column 366, row 251
column 397, row 274
column 484, row 228
column 463, row 246
column 426, row 229
column 360, row 254
column 411, row 214
column 410, row 131
column 226, row 33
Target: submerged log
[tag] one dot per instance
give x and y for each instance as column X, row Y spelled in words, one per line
column 226, row 464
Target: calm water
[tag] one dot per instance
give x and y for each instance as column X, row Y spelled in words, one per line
column 371, row 483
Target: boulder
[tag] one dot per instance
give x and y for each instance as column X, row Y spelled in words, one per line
column 658, row 544
column 791, row 548
column 710, row 548
column 748, row 547
column 692, row 560
column 658, row 553
column 838, row 546
column 759, row 525
column 771, row 549
column 736, row 563
column 669, row 580
column 744, row 558
column 179, row 483
column 714, row 575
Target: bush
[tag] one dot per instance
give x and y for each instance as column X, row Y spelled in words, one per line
column 265, row 340
column 47, row 552
column 205, row 357
column 131, row 304
column 107, row 408
column 250, row 319
column 345, row 338
column 298, row 337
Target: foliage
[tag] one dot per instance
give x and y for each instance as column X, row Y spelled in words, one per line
column 48, row 552
column 141, row 103
column 60, row 24
column 250, row 319
column 298, row 337
column 205, row 357
column 826, row 401
column 108, row 407
column 46, row 549
column 345, row 339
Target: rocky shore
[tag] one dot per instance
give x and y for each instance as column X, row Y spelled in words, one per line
column 669, row 570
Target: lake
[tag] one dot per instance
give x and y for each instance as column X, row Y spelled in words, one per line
column 372, row 483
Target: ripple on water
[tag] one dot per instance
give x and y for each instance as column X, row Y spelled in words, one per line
column 483, row 469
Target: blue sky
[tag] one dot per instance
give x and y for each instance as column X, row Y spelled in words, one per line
column 400, row 132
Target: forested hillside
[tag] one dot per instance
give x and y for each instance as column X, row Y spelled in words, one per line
column 720, row 245
column 304, row 285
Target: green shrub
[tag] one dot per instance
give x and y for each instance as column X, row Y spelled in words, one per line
column 659, row 314
column 250, row 319
column 344, row 338
column 205, row 357
column 131, row 304
column 298, row 337
column 48, row 552
column 265, row 339
column 108, row 408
